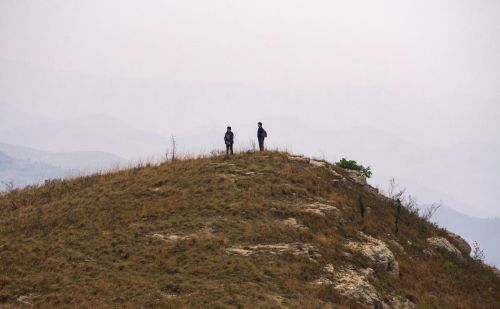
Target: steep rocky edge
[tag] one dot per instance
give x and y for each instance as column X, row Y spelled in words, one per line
column 258, row 230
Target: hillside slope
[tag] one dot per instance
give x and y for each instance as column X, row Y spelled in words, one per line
column 258, row 230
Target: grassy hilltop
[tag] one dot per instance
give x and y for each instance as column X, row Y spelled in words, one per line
column 255, row 231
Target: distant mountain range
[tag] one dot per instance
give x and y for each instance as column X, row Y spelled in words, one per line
column 24, row 166
column 22, row 172
column 78, row 161
column 93, row 133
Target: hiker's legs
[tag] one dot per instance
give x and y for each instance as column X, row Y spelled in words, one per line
column 261, row 144
column 231, row 148
column 227, row 149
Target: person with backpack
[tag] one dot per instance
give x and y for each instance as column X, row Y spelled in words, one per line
column 261, row 135
column 229, row 141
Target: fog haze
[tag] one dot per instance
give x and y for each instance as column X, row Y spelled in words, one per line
column 409, row 87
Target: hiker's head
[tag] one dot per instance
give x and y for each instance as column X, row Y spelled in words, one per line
column 229, row 128
column 260, row 124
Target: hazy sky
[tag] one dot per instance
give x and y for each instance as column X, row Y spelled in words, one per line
column 428, row 70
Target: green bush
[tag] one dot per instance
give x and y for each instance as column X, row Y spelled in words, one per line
column 353, row 165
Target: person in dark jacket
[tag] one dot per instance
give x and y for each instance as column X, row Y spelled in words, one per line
column 261, row 135
column 229, row 140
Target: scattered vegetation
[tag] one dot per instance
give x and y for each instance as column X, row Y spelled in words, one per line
column 477, row 252
column 353, row 165
column 361, row 207
column 398, row 194
column 397, row 216
column 156, row 236
column 8, row 186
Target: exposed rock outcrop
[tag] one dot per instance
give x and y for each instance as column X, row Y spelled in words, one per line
column 360, row 179
column 298, row 249
column 377, row 252
column 176, row 237
column 321, row 209
column 356, row 176
column 299, row 159
column 292, row 222
column 336, row 175
column 442, row 244
column 27, row 300
column 317, row 163
column 355, row 285
column 460, row 243
column 401, row 303
column 397, row 245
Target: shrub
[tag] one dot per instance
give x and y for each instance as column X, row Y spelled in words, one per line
column 361, row 209
column 477, row 252
column 397, row 215
column 353, row 165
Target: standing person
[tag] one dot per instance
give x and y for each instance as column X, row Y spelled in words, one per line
column 261, row 135
column 229, row 140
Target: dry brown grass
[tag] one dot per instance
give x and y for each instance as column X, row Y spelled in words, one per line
column 87, row 242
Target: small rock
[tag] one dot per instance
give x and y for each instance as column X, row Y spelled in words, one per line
column 428, row 252
column 401, row 303
column 347, row 255
column 299, row 159
column 329, row 269
column 158, row 236
column 321, row 209
column 175, row 237
column 240, row 251
column 316, row 163
column 367, row 272
column 292, row 222
column 169, row 295
column 278, row 299
column 27, row 300
column 322, row 281
column 443, row 244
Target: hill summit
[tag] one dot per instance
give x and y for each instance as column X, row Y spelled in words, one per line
column 258, row 230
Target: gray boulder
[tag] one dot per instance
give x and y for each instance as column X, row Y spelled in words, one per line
column 377, row 252
column 442, row 244
column 460, row 243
